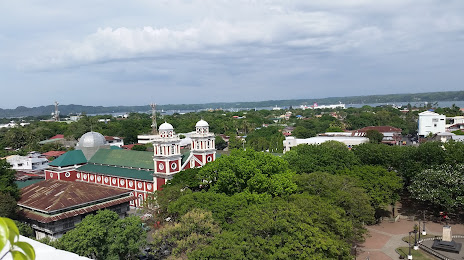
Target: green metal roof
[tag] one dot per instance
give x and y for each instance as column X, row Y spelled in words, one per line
column 69, row 158
column 117, row 171
column 22, row 184
column 185, row 156
column 125, row 158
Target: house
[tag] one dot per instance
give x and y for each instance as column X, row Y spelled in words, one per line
column 446, row 136
column 391, row 135
column 287, row 131
column 430, row 123
column 114, row 141
column 349, row 141
column 53, row 207
column 33, row 161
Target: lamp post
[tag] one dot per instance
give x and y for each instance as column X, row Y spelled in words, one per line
column 416, row 247
column 418, row 229
column 409, row 246
column 423, row 230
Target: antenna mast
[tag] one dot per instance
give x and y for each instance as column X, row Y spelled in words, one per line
column 154, row 125
column 56, row 115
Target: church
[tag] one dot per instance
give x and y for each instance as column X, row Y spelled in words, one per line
column 137, row 171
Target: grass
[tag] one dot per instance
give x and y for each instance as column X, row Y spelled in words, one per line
column 416, row 254
column 405, row 239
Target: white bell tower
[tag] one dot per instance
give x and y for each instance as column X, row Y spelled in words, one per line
column 166, row 149
column 203, row 145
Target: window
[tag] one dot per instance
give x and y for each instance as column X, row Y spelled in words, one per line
column 434, row 119
column 435, row 125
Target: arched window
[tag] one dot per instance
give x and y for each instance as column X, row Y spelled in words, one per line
column 140, row 200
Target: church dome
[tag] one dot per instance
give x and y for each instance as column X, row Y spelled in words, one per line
column 92, row 139
column 165, row 127
column 202, row 123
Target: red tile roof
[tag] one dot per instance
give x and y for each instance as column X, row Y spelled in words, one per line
column 56, row 137
column 49, row 200
column 128, row 146
column 54, row 153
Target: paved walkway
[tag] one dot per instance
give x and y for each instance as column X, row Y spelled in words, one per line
column 383, row 239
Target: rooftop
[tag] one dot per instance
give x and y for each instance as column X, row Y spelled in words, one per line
column 117, row 171
column 70, row 158
column 53, row 199
column 124, row 158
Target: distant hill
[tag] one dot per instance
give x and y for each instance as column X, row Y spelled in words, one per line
column 22, row 111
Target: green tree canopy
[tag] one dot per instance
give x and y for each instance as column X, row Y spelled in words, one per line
column 248, row 170
column 7, row 180
column 327, row 157
column 374, row 136
column 441, row 186
column 105, row 236
column 381, row 185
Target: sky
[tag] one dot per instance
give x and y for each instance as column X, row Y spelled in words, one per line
column 188, row 52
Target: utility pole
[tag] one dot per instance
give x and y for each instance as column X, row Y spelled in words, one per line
column 154, row 125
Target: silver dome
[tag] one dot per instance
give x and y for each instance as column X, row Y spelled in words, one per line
column 92, row 139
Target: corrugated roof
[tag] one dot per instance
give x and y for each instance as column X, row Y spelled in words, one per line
column 55, row 197
column 69, row 158
column 117, row 171
column 126, row 158
column 44, row 218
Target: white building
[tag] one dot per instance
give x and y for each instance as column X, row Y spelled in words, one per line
column 114, row 141
column 431, row 123
column 33, row 161
column 349, row 141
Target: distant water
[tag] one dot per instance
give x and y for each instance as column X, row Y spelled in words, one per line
column 417, row 104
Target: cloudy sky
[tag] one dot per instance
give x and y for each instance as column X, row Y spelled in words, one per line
column 178, row 51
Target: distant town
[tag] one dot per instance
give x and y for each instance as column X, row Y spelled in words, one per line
column 311, row 181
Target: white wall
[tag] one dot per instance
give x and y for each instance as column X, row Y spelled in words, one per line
column 431, row 122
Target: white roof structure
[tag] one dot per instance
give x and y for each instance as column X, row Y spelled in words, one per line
column 165, row 126
column 348, row 140
column 45, row 252
column 202, row 123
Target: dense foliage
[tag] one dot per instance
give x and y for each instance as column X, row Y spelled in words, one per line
column 105, row 236
column 253, row 205
column 327, row 157
column 441, row 186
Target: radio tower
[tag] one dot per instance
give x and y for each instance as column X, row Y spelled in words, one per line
column 56, row 115
column 154, row 126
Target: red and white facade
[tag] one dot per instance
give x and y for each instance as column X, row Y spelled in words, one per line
column 167, row 162
column 203, row 147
